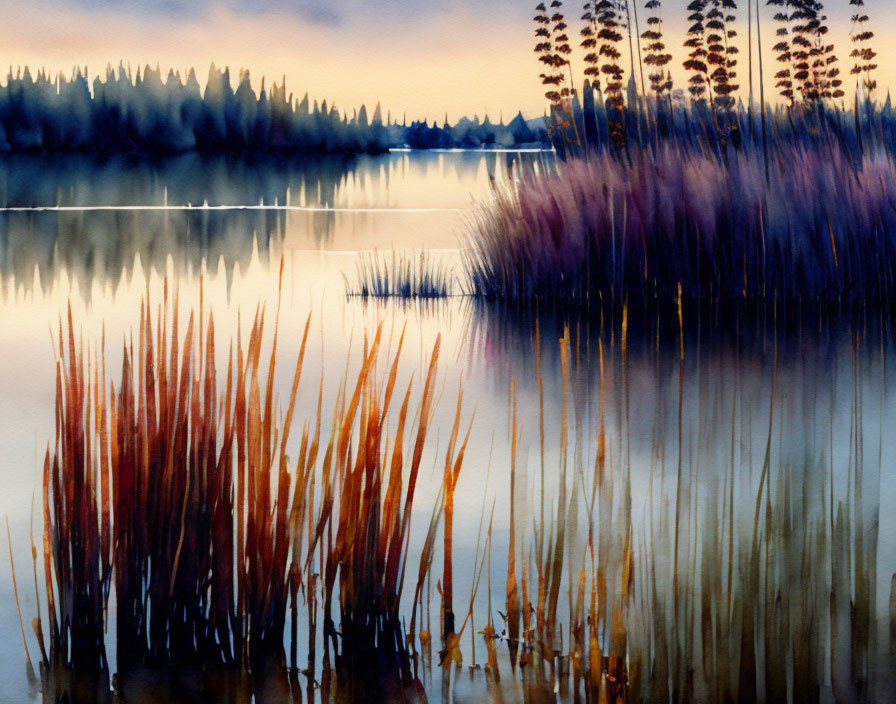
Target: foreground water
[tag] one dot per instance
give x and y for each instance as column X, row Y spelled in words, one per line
column 702, row 412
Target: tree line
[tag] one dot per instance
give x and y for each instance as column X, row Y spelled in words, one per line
column 146, row 112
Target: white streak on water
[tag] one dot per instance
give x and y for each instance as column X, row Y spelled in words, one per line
column 297, row 208
column 405, row 150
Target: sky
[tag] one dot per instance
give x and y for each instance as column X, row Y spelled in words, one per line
column 422, row 58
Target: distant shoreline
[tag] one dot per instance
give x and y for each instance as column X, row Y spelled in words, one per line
column 144, row 114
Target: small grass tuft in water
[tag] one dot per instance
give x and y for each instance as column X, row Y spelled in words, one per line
column 404, row 275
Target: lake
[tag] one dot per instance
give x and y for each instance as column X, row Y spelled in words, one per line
column 698, row 411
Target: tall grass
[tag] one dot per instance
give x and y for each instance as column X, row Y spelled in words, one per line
column 188, row 502
column 661, row 190
column 608, row 229
column 615, row 113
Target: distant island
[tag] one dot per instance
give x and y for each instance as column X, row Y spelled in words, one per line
column 142, row 113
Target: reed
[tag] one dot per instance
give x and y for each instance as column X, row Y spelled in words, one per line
column 746, row 581
column 454, row 458
column 512, row 603
column 377, row 484
column 603, row 230
column 749, row 215
column 617, row 116
column 77, row 548
column 182, row 497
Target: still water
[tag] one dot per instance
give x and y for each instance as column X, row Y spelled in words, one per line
column 700, row 411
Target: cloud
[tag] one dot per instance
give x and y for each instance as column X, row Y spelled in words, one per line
column 321, row 15
column 382, row 13
column 325, row 13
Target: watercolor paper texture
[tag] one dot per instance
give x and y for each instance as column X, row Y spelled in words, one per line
column 448, row 351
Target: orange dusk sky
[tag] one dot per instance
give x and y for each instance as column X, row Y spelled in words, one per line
column 421, row 58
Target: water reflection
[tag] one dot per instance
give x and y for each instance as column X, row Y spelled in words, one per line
column 100, row 247
column 82, row 180
column 739, row 332
column 400, row 199
column 745, row 453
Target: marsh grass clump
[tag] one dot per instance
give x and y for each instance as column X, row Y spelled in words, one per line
column 693, row 189
column 172, row 494
column 404, row 275
column 365, row 542
column 604, row 229
column 187, row 502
